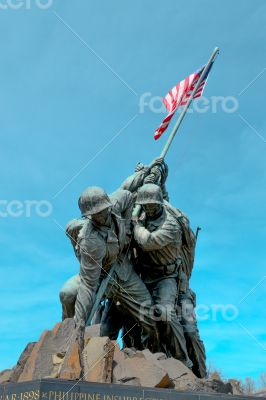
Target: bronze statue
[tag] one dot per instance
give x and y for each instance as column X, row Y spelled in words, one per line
column 147, row 262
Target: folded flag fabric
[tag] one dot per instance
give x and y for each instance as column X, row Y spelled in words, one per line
column 179, row 96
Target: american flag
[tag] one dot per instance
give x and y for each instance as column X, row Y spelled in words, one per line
column 179, row 96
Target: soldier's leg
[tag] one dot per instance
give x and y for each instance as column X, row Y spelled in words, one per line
column 96, row 319
column 131, row 334
column 135, row 301
column 164, row 294
column 195, row 345
column 68, row 295
column 112, row 320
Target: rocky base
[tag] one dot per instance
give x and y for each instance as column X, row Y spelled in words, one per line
column 57, row 355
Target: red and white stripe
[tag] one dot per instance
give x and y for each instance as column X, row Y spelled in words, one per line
column 179, row 96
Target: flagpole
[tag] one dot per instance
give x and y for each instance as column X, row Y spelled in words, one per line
column 183, row 113
column 137, row 208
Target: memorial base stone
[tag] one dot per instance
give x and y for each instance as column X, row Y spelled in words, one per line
column 58, row 389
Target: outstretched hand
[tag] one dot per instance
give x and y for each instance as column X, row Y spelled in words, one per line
column 159, row 164
column 157, row 161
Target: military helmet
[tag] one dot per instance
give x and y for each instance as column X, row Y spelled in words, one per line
column 93, row 200
column 149, row 194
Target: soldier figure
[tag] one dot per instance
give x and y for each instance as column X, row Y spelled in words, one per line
column 114, row 319
column 186, row 297
column 102, row 242
column 69, row 291
column 159, row 238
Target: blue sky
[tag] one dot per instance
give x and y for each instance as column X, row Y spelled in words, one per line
column 71, row 80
